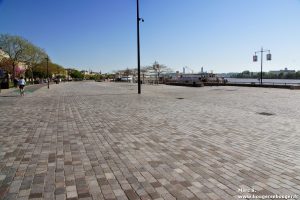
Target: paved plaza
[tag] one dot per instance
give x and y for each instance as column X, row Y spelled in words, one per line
column 92, row 140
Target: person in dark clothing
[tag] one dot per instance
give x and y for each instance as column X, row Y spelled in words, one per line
column 16, row 81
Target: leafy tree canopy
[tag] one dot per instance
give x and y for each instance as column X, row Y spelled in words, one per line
column 76, row 74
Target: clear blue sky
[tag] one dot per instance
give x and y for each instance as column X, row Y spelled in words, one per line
column 220, row 35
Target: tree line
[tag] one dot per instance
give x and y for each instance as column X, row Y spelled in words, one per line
column 267, row 75
column 17, row 51
column 155, row 68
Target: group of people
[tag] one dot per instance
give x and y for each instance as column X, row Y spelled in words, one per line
column 21, row 83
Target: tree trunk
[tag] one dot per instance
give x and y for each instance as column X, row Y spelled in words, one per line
column 14, row 76
column 32, row 76
column 14, row 72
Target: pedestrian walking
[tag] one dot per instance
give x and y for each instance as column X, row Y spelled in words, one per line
column 22, row 84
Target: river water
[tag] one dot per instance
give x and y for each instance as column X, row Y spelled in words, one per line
column 265, row 81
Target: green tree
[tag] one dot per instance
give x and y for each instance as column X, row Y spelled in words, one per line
column 16, row 48
column 290, row 76
column 281, row 75
column 76, row 74
column 6, row 64
column 89, row 76
column 35, row 56
column 99, row 77
column 247, row 72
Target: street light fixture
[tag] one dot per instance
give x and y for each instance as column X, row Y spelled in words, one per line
column 47, row 59
column 269, row 57
column 138, row 45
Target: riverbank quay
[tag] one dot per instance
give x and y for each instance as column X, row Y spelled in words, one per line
column 101, row 140
column 256, row 85
column 245, row 84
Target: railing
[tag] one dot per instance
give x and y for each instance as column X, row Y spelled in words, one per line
column 264, row 83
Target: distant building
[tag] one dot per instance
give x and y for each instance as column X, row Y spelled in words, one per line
column 3, row 54
column 227, row 75
column 94, row 73
column 284, row 72
column 68, row 72
column 84, row 72
column 90, row 72
column 20, row 67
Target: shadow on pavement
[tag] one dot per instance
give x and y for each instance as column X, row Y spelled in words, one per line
column 9, row 96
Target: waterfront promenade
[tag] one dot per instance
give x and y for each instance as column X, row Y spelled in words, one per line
column 90, row 140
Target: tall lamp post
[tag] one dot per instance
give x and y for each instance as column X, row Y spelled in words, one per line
column 269, row 57
column 138, row 45
column 47, row 59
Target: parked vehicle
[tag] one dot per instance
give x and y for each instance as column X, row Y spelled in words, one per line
column 126, row 78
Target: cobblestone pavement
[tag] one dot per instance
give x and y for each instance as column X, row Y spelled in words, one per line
column 89, row 140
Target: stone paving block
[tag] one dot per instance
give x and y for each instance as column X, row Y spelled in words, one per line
column 60, row 197
column 22, row 198
column 23, row 193
column 90, row 140
column 71, row 194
